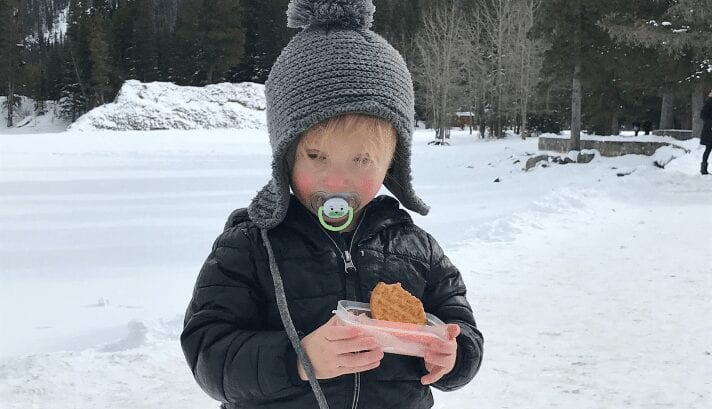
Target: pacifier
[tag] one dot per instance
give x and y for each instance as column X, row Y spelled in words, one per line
column 332, row 207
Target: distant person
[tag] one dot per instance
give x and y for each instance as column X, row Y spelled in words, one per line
column 706, row 133
column 636, row 127
column 647, row 127
column 259, row 331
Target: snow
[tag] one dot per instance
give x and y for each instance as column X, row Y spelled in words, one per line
column 164, row 105
column 592, row 290
column 666, row 154
column 625, row 136
column 59, row 28
column 155, row 106
column 26, row 120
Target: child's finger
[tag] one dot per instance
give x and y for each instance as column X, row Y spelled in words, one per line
column 437, row 359
column 453, row 330
column 355, row 360
column 433, row 376
column 337, row 333
column 333, row 321
column 363, row 368
column 356, row 344
column 442, row 347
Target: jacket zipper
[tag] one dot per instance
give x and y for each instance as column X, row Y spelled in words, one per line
column 349, row 264
column 357, row 390
column 346, row 254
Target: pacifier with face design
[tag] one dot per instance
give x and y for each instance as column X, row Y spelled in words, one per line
column 333, row 208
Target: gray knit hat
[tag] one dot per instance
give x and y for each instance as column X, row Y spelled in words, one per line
column 335, row 65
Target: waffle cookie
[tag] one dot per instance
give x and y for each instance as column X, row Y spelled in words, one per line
column 390, row 302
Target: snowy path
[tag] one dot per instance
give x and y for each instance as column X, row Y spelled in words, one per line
column 593, row 291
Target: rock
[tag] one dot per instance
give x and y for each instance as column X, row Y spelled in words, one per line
column 563, row 160
column 532, row 162
column 625, row 172
column 666, row 154
column 585, row 157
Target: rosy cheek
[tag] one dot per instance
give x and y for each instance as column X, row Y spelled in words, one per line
column 303, row 182
column 368, row 187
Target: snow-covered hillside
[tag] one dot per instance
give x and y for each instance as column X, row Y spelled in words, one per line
column 592, row 289
column 164, row 105
column 27, row 120
column 153, row 106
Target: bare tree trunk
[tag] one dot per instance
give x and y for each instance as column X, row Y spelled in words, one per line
column 698, row 99
column 615, row 124
column 500, row 66
column 524, row 125
column 576, row 109
column 666, row 110
column 439, row 44
column 82, row 87
column 10, row 102
column 575, row 144
column 476, row 67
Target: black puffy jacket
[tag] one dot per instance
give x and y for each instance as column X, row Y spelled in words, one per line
column 234, row 340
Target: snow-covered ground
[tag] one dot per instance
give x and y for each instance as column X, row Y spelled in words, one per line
column 592, row 290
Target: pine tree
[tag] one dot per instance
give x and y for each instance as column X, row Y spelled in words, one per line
column 72, row 97
column 100, row 63
column 77, row 65
column 211, row 39
column 121, row 42
column 399, row 22
column 11, row 48
column 53, row 71
column 41, row 94
column 680, row 33
column 164, row 16
column 142, row 56
column 572, row 29
column 265, row 35
column 187, row 43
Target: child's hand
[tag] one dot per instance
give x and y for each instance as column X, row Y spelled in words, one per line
column 440, row 356
column 336, row 350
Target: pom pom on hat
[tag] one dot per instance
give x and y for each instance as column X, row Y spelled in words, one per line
column 353, row 14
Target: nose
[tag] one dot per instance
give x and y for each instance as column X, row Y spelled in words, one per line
column 337, row 180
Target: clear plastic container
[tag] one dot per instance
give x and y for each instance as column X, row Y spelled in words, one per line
column 394, row 337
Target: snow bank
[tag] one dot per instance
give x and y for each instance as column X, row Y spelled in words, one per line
column 625, row 137
column 666, row 154
column 164, row 105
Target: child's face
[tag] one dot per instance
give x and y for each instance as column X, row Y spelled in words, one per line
column 341, row 162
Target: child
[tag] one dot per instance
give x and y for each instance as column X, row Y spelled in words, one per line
column 259, row 331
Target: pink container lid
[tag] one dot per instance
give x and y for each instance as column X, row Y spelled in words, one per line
column 394, row 337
